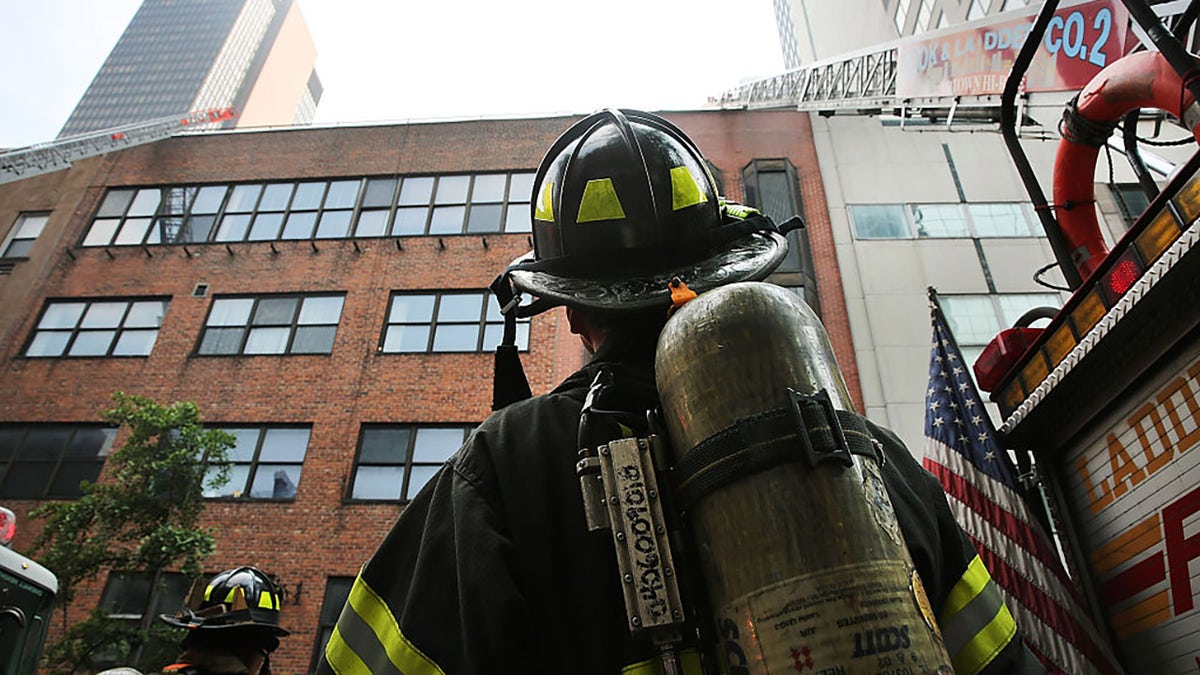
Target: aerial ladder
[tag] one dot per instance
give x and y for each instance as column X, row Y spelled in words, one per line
column 56, row 155
column 864, row 82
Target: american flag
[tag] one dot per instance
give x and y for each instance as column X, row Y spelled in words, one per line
column 987, row 499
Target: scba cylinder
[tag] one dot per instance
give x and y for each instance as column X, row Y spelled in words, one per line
column 802, row 558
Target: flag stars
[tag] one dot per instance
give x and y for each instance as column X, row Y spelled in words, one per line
column 990, row 455
column 983, row 437
column 934, row 406
column 938, row 422
column 970, row 403
column 958, row 370
column 963, row 386
column 977, row 420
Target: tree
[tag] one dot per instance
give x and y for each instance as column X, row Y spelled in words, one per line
column 141, row 518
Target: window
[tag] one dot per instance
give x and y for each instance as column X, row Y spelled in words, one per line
column 48, row 461
column 375, row 206
column 1131, row 200
column 978, row 10
column 24, row 232
column 901, row 17
column 395, row 461
column 446, row 322
column 124, row 218
column 931, row 221
column 264, row 463
column 126, row 597
column 337, row 591
column 97, row 328
column 772, row 187
column 976, row 319
column 879, row 221
column 924, row 14
column 274, row 324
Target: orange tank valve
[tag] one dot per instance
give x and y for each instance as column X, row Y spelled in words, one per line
column 680, row 294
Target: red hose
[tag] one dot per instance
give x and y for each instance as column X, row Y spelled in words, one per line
column 1140, row 80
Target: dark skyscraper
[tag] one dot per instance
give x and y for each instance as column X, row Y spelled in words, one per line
column 178, row 56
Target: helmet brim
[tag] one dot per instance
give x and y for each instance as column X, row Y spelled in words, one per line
column 277, row 631
column 750, row 258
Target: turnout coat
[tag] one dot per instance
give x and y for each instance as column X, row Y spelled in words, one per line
column 491, row 568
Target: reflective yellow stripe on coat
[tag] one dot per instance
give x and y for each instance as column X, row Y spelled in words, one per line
column 367, row 640
column 975, row 622
column 690, row 660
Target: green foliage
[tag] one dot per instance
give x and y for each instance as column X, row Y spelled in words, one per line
column 100, row 638
column 141, row 518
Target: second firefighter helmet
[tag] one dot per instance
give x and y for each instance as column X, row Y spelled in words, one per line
column 622, row 203
column 242, row 597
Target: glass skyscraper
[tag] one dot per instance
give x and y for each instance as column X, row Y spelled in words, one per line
column 179, row 56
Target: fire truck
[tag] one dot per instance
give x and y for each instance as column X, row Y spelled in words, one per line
column 1101, row 405
column 27, row 592
column 1105, row 398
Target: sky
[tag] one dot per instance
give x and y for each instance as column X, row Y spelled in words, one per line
column 396, row 60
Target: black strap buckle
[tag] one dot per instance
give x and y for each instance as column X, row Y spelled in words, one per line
column 818, row 429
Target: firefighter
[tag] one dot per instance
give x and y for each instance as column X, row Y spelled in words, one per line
column 233, row 625
column 491, row 567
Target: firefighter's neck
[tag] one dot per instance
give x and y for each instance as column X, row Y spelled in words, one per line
column 224, row 662
column 589, row 332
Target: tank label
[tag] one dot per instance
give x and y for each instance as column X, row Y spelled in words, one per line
column 865, row 618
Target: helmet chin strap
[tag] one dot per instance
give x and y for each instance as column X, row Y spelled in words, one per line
column 509, row 383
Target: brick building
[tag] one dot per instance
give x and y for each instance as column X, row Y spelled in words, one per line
column 320, row 293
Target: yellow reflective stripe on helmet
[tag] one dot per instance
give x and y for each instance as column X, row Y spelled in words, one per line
column 545, row 205
column 599, row 202
column 267, row 601
column 208, row 592
column 976, row 624
column 685, row 191
column 690, row 659
column 341, row 658
column 739, row 210
column 369, row 633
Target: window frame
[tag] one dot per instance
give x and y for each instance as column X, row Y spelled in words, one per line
column 58, row 461
column 408, row 463
column 971, row 348
column 255, row 463
column 249, row 326
column 16, row 236
column 160, row 598
column 912, row 229
column 489, row 318
column 1121, row 193
column 797, row 269
column 334, row 586
column 77, row 328
column 262, row 218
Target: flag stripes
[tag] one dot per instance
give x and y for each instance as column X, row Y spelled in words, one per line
column 963, row 452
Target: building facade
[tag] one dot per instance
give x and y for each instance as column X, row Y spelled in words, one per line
column 320, row 293
column 178, row 56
